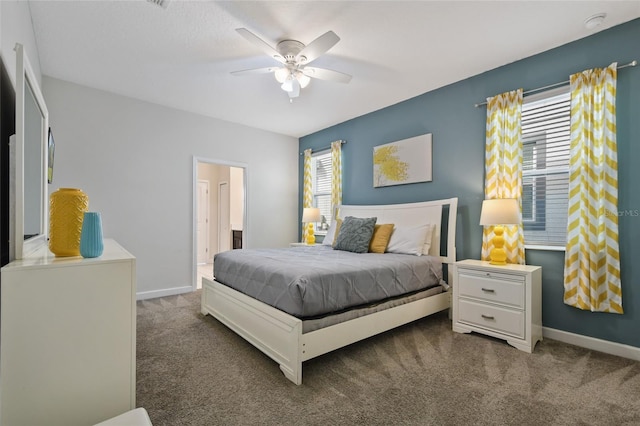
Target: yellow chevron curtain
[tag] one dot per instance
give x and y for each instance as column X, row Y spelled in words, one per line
column 307, row 194
column 336, row 176
column 503, row 168
column 592, row 258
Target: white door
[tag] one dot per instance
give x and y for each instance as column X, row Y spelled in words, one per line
column 202, row 224
column 224, row 218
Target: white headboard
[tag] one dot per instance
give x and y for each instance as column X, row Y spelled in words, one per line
column 414, row 214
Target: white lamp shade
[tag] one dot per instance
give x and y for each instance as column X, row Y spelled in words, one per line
column 311, row 214
column 287, row 86
column 500, row 211
column 282, row 74
column 295, row 88
column 303, row 80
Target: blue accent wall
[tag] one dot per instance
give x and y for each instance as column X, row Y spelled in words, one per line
column 458, row 130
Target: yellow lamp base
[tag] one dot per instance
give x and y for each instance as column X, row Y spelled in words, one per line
column 498, row 256
column 311, row 238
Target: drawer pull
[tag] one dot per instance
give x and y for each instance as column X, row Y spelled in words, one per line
column 488, row 290
column 487, row 317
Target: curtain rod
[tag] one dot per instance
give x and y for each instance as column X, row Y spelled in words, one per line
column 562, row 83
column 342, row 142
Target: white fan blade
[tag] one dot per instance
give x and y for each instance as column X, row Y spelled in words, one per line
column 262, row 45
column 325, row 74
column 319, row 46
column 255, row 71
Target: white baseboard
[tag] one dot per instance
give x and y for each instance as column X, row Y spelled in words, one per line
column 592, row 343
column 143, row 295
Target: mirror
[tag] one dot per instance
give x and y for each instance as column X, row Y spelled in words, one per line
column 29, row 189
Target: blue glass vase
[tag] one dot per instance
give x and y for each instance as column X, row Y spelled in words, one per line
column 91, row 244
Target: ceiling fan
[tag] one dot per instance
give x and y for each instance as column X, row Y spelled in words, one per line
column 295, row 74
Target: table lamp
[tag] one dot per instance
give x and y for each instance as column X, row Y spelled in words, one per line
column 499, row 212
column 309, row 216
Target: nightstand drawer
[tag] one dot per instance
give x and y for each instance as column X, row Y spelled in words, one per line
column 502, row 320
column 494, row 287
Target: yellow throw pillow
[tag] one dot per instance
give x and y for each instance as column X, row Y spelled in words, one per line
column 380, row 238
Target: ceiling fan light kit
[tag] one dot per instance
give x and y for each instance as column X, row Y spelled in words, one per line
column 295, row 56
column 303, row 79
column 292, row 87
column 282, row 74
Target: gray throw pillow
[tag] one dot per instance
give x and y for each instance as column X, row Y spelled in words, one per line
column 355, row 234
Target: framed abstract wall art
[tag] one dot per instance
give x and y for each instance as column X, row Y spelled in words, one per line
column 401, row 162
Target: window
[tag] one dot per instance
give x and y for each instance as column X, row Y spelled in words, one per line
column 546, row 136
column 321, row 188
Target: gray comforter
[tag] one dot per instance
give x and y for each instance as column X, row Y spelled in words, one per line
column 317, row 280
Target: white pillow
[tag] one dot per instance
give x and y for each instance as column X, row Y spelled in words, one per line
column 410, row 239
column 331, row 234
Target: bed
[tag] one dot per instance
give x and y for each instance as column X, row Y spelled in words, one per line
column 308, row 331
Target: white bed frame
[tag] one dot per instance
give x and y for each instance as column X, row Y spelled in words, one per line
column 279, row 335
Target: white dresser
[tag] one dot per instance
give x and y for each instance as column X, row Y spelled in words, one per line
column 500, row 301
column 68, row 338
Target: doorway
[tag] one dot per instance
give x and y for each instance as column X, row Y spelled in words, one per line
column 219, row 212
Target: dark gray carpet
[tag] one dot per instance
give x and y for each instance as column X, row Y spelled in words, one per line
column 192, row 370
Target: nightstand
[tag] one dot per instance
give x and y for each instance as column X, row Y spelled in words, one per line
column 500, row 301
column 302, row 245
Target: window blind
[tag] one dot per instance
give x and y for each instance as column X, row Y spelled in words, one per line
column 546, row 138
column 322, row 188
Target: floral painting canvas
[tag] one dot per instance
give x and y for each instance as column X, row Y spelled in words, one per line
column 405, row 161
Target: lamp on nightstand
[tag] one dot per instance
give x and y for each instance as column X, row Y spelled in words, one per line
column 499, row 212
column 309, row 216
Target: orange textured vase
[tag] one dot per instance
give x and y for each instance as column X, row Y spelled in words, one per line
column 66, row 211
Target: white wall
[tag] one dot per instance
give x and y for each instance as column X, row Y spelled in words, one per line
column 16, row 27
column 134, row 159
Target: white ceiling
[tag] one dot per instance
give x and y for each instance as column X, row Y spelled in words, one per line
column 182, row 56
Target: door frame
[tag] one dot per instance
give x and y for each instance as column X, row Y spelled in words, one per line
column 207, row 200
column 220, row 236
column 194, row 212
